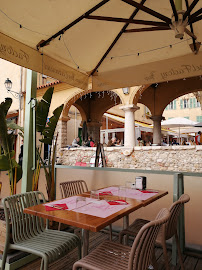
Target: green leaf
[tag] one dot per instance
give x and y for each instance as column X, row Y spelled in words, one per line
column 51, row 125
column 4, row 163
column 4, row 107
column 42, row 110
column 14, row 126
column 19, row 169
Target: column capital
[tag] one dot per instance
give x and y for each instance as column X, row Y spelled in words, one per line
column 157, row 117
column 65, row 118
column 130, row 107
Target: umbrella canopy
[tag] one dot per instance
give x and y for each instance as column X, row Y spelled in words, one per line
column 198, row 124
column 120, row 43
column 178, row 122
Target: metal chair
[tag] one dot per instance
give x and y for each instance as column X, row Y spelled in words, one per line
column 115, row 256
column 30, row 234
column 167, row 231
column 73, row 188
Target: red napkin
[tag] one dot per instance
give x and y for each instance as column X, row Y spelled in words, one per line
column 148, row 191
column 62, row 205
column 104, row 193
column 117, row 202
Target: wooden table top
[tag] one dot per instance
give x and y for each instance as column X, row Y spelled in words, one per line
column 89, row 222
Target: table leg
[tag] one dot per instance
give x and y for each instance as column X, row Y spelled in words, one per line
column 85, row 242
column 125, row 225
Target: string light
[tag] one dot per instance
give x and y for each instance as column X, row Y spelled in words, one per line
column 21, row 26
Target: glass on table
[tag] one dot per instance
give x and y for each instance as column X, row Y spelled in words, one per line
column 80, row 202
column 94, row 194
column 122, row 191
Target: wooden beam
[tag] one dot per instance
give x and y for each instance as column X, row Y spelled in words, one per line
column 116, row 39
column 195, row 14
column 187, row 13
column 46, row 42
column 147, row 29
column 174, row 10
column 191, row 34
column 123, row 20
column 196, row 19
column 148, row 10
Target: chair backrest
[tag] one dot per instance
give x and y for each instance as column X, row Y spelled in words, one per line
column 24, row 226
column 0, row 187
column 142, row 251
column 73, row 188
column 175, row 209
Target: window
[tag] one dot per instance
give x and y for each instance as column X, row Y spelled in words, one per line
column 198, row 104
column 190, row 103
column 199, row 118
column 186, row 103
column 187, row 117
column 171, row 105
column 194, row 102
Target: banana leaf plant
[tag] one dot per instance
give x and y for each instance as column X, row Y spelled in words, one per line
column 7, row 155
column 46, row 130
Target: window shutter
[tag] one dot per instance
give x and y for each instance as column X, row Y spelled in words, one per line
column 194, row 102
column 181, row 104
column 175, row 104
column 190, row 103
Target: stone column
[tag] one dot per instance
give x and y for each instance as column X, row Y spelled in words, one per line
column 157, row 129
column 129, row 132
column 62, row 132
column 94, row 130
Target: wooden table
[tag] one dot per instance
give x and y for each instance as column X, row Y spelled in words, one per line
column 91, row 223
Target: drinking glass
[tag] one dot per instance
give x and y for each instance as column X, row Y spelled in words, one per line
column 122, row 191
column 94, row 194
column 81, row 202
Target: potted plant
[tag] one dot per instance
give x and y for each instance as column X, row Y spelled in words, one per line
column 46, row 130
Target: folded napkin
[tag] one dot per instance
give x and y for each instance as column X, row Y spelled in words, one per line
column 61, row 206
column 148, row 191
column 117, row 202
column 104, row 193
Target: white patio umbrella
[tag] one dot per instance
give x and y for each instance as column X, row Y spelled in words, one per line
column 119, row 43
column 178, row 122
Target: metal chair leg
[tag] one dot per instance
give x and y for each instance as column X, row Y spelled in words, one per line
column 110, row 232
column 179, row 251
column 3, row 262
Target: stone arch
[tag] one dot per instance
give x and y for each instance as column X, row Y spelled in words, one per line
column 76, row 95
column 158, row 96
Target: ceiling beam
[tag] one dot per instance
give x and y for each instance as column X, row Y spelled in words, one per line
column 174, row 10
column 62, row 31
column 148, row 10
column 191, row 34
column 116, row 39
column 123, row 20
column 188, row 11
column 195, row 14
column 196, row 19
column 148, row 29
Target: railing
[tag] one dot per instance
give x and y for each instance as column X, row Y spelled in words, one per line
column 178, row 190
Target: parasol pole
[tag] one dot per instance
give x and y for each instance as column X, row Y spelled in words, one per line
column 178, row 5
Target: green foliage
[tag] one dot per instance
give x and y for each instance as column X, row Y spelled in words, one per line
column 42, row 110
column 49, row 130
column 7, row 160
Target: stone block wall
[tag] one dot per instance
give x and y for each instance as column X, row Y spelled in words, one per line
column 168, row 158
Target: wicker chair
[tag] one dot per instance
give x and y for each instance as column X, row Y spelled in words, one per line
column 166, row 232
column 115, row 256
column 29, row 233
column 73, row 188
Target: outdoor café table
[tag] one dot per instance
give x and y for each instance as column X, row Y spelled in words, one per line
column 89, row 222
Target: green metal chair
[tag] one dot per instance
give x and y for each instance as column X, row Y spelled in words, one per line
column 30, row 234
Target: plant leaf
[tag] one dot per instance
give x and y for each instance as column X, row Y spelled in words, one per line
column 51, row 125
column 4, row 107
column 19, row 169
column 4, row 163
column 14, row 126
column 42, row 110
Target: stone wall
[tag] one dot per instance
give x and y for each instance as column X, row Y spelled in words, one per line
column 168, row 158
